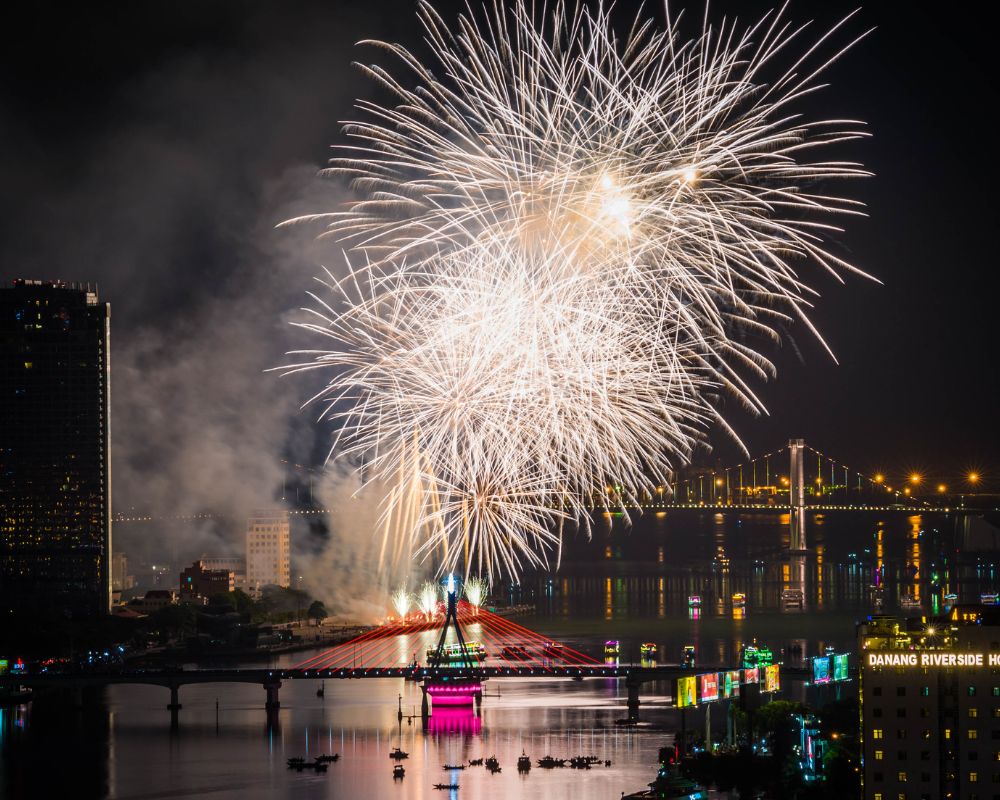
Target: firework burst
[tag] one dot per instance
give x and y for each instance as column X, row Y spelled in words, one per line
column 401, row 602
column 564, row 248
column 476, row 591
column 427, row 599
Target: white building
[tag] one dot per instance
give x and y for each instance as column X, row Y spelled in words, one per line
column 268, row 560
column 120, row 579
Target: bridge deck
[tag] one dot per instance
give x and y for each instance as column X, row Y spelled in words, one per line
column 631, row 672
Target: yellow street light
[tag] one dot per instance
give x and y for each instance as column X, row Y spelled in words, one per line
column 942, row 488
column 906, row 490
column 879, row 477
column 915, row 478
column 718, row 481
column 973, row 477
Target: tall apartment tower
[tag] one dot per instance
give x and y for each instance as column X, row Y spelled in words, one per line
column 268, row 550
column 55, row 460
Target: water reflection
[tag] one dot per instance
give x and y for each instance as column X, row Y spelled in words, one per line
column 132, row 755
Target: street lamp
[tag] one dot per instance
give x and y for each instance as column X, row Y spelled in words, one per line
column 879, row 477
column 915, row 478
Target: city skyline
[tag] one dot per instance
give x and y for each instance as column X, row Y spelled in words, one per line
column 503, row 399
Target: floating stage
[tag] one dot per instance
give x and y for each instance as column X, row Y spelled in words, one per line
column 454, row 692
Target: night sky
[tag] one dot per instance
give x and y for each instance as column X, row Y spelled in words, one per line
column 152, row 147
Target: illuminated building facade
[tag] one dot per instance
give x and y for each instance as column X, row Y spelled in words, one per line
column 55, row 464
column 930, row 706
column 268, row 550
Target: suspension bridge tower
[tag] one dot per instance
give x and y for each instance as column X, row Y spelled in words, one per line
column 797, row 495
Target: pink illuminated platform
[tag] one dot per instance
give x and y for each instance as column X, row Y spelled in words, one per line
column 454, row 693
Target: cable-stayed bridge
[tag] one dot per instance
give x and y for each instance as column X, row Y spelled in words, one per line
column 508, row 651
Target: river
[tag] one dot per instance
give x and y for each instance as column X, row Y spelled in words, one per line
column 630, row 586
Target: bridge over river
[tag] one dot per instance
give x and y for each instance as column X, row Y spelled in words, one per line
column 634, row 676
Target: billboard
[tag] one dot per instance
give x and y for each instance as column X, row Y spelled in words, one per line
column 729, row 682
column 821, row 669
column 709, row 689
column 772, row 678
column 757, row 656
column 751, row 675
column 840, row 667
column 687, row 692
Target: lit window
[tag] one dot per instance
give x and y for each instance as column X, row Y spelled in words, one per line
column 947, row 733
column 973, row 712
column 878, row 755
column 973, row 733
column 901, row 777
column 973, row 777
column 925, row 691
column 971, row 691
column 877, row 733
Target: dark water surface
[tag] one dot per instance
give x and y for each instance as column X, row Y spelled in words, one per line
column 628, row 586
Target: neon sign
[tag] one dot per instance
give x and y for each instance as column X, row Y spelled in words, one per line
column 932, row 659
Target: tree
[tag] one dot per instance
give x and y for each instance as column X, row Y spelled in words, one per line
column 317, row 612
column 175, row 621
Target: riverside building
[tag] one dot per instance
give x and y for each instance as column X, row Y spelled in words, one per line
column 55, row 461
column 930, row 706
column 268, row 550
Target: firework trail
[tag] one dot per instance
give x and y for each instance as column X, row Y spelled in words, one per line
column 566, row 246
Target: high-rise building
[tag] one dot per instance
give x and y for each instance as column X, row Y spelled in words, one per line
column 930, row 705
column 55, row 461
column 268, row 556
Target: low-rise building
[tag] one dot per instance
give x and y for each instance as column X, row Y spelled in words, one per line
column 234, row 564
column 198, row 584
column 153, row 601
